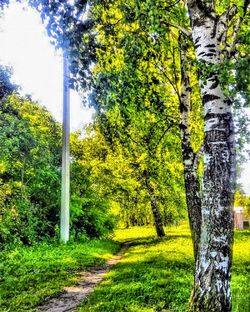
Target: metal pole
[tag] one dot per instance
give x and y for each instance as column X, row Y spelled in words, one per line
column 65, row 195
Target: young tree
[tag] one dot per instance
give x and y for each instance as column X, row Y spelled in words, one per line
column 144, row 124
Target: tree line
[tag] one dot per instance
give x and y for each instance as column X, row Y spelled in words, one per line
column 106, row 187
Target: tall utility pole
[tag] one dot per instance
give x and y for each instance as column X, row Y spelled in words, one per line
column 65, row 195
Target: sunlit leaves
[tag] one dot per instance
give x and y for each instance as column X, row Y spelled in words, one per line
column 30, row 154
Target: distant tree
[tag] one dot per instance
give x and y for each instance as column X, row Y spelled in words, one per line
column 118, row 177
column 242, row 200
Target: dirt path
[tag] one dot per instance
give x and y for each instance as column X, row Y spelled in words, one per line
column 73, row 296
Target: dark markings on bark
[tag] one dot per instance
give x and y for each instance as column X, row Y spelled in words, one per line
column 209, row 97
column 209, row 54
column 182, row 128
column 210, row 46
column 215, row 84
column 183, row 107
column 221, row 117
column 197, row 40
column 197, row 46
column 215, row 136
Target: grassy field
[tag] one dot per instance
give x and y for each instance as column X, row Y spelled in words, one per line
column 157, row 275
column 28, row 275
column 154, row 274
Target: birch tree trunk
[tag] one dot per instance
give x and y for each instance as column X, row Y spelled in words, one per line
column 155, row 208
column 189, row 157
column 213, row 265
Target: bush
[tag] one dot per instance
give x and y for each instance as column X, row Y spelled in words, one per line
column 90, row 216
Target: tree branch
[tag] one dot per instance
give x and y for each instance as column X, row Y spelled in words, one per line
column 172, row 5
column 225, row 18
column 168, row 79
column 185, row 31
column 163, row 134
column 222, row 24
column 235, row 35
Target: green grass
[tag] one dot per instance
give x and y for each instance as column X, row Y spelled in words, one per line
column 157, row 275
column 154, row 274
column 241, row 272
column 28, row 275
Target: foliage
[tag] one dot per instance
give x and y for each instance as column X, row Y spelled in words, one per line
column 116, row 177
column 243, row 201
column 156, row 275
column 90, row 215
column 29, row 275
column 30, row 160
column 136, row 110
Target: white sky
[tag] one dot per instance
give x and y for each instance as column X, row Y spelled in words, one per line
column 25, row 46
column 245, row 177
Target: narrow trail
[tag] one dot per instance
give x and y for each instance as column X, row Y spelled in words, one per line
column 72, row 296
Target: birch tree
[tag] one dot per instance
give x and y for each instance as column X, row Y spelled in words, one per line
column 214, row 36
column 210, row 33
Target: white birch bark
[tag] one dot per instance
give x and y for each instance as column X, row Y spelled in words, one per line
column 213, row 265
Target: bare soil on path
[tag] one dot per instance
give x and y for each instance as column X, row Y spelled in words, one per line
column 72, row 296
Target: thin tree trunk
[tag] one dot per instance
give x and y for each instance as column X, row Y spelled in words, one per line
column 214, row 260
column 157, row 217
column 189, row 157
column 155, row 209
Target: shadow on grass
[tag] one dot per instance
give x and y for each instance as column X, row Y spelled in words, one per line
column 151, row 277
column 151, row 241
column 242, row 234
column 143, row 287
